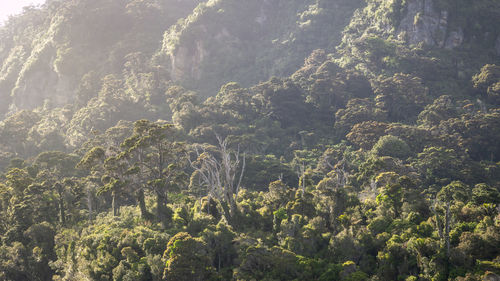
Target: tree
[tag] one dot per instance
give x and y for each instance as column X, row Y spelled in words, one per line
column 187, row 259
column 20, row 210
column 220, row 240
column 357, row 111
column 331, row 199
column 402, row 96
column 366, row 134
column 391, row 193
column 92, row 162
column 455, row 191
column 417, row 138
column 41, row 237
column 439, row 165
column 236, row 101
column 219, row 175
column 494, row 93
column 160, row 158
column 58, row 167
column 282, row 101
column 483, row 193
column 14, row 263
column 184, row 106
column 391, row 146
column 15, row 130
column 487, row 82
column 441, row 109
column 476, row 134
column 113, row 181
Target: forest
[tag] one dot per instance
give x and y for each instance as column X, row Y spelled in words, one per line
column 256, row 140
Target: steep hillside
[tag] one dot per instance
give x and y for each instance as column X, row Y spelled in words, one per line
column 79, row 64
column 322, row 140
column 47, row 53
column 250, row 41
column 443, row 42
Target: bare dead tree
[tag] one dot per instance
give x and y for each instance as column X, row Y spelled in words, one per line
column 208, row 169
column 301, row 171
column 220, row 175
column 342, row 175
column 443, row 230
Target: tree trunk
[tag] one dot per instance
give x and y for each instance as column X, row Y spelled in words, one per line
column 161, row 208
column 60, row 203
column 396, row 210
column 447, row 239
column 114, row 203
column 227, row 212
column 447, row 230
column 232, row 206
column 218, row 265
column 438, row 223
column 62, row 215
column 89, row 202
column 142, row 204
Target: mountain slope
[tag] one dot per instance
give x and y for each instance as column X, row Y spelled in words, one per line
column 443, row 42
column 250, row 41
column 46, row 52
column 149, row 140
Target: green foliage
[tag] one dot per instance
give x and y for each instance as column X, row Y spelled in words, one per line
column 483, row 193
column 113, row 248
column 280, row 214
column 391, row 146
column 187, row 258
column 276, row 37
column 441, row 109
column 439, row 164
column 375, row 159
column 401, row 97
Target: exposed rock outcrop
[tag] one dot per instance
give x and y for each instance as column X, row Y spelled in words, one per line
column 46, row 51
column 249, row 41
column 455, row 39
column 424, row 23
column 39, row 82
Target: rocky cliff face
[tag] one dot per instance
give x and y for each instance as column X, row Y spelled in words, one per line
column 248, row 41
column 424, row 23
column 45, row 53
column 40, row 82
column 441, row 41
column 433, row 23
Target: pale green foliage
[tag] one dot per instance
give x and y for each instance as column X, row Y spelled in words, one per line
column 391, row 146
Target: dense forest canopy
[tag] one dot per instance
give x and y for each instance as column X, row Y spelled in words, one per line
column 250, row 140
